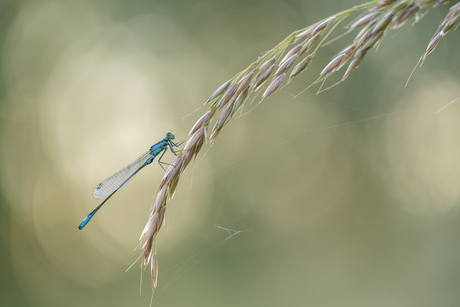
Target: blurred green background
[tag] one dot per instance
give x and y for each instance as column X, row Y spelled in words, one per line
column 347, row 198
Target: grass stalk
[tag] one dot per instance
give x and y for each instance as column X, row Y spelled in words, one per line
column 281, row 65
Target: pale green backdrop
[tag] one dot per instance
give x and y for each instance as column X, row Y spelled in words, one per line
column 348, row 198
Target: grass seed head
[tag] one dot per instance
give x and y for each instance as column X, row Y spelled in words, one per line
column 381, row 16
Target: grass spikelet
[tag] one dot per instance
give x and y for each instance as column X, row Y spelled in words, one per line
column 451, row 19
column 300, row 67
column 286, row 65
column 276, row 83
column 239, row 101
column 354, row 63
column 244, row 83
column 323, row 25
column 365, row 31
column 262, row 78
column 366, row 19
column 193, row 146
column 383, row 4
column 305, row 34
column 224, row 117
column 265, row 66
column 378, row 18
column 160, row 199
column 332, row 66
column 454, row 10
column 383, row 23
column 154, row 270
column 441, row 2
column 315, row 29
column 406, row 15
column 308, row 44
column 450, row 24
column 424, row 3
column 218, row 92
column 149, row 228
column 373, row 39
column 227, row 96
column 347, row 53
column 203, row 121
column 432, row 45
column 291, row 52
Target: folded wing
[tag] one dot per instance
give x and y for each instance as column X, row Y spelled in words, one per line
column 119, row 179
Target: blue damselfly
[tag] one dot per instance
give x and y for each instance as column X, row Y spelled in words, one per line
column 108, row 187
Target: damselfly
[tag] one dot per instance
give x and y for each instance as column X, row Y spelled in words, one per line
column 108, row 187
